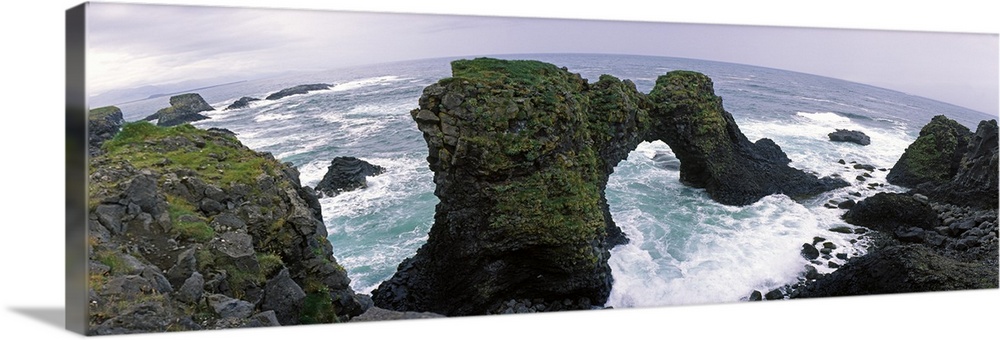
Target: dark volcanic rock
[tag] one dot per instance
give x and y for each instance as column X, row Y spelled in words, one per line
column 887, row 211
column 183, row 108
column 284, row 297
column 975, row 182
column 346, row 174
column 300, row 89
column 102, row 124
column 934, row 157
column 262, row 223
column 809, row 252
column 241, row 103
column 714, row 154
column 902, row 269
column 856, row 137
column 521, row 153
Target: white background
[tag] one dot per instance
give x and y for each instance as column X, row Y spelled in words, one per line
column 33, row 187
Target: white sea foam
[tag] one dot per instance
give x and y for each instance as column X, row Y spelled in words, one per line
column 270, row 116
column 355, row 84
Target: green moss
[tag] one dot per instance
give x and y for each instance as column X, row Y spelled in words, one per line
column 219, row 159
column 104, row 111
column 318, row 308
column 526, row 72
column 689, row 99
column 113, row 260
column 187, row 222
column 551, row 208
column 934, row 155
column 269, row 264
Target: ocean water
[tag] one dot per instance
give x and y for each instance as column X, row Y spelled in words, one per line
column 684, row 249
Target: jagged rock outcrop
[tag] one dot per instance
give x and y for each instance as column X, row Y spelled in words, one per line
column 183, row 108
column 346, row 174
column 714, row 154
column 300, row 89
column 521, row 153
column 189, row 229
column 851, row 136
column 241, row 103
column 102, row 124
column 943, row 235
column 975, row 182
column 934, row 157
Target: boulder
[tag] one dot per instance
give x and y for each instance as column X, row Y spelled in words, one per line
column 887, row 211
column 283, row 296
column 227, row 307
column 300, row 89
column 192, row 289
column 856, row 137
column 346, row 174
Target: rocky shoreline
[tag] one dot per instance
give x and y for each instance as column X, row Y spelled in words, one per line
column 930, row 238
column 189, row 229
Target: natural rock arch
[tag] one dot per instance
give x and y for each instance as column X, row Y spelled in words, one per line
column 521, row 153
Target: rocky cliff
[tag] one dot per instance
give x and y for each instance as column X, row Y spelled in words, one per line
column 191, row 230
column 521, row 153
column 102, row 124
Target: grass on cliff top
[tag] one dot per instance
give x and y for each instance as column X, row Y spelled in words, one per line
column 219, row 159
column 104, row 111
column 529, row 72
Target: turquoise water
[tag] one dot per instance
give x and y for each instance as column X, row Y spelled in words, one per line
column 684, row 247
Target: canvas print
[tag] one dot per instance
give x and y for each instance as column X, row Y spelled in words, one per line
column 252, row 168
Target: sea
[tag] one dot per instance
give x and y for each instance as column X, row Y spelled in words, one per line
column 684, row 248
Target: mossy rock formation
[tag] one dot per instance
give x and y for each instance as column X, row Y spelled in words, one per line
column 934, row 157
column 950, row 164
column 183, row 108
column 189, row 229
column 521, row 153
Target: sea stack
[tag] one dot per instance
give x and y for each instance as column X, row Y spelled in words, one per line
column 183, row 108
column 521, row 153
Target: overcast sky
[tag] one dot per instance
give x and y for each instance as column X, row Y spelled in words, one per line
column 136, row 45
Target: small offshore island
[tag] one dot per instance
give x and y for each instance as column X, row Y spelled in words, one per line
column 189, row 229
